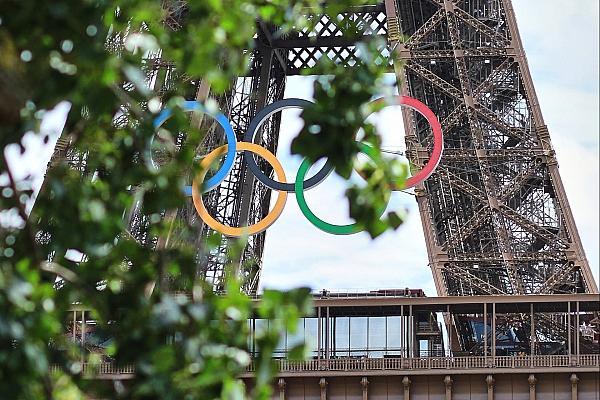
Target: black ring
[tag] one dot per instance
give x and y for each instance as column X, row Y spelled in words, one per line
column 255, row 125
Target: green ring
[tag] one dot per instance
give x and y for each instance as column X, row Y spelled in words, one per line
column 318, row 222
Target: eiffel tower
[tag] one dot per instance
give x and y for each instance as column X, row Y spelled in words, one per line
column 495, row 214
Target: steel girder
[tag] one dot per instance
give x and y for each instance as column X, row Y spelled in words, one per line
column 495, row 211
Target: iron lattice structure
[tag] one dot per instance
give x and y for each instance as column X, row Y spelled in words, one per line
column 241, row 199
column 495, row 214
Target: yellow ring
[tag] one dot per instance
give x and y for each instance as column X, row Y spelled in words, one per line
column 247, row 230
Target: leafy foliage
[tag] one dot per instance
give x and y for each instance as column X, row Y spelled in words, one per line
column 92, row 54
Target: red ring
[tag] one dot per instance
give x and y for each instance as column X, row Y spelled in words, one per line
column 438, row 138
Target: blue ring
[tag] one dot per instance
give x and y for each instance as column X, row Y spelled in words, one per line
column 192, row 105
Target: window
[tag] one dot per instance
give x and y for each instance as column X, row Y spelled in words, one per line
column 296, row 338
column 393, row 335
column 310, row 335
column 250, row 340
column 261, row 325
column 358, row 336
column 341, row 331
column 279, row 350
column 377, row 332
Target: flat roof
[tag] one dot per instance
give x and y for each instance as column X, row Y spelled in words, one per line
column 371, row 304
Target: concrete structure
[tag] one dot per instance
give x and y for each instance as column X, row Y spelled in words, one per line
column 409, row 373
column 389, row 345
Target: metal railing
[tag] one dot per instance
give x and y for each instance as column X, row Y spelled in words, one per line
column 388, row 364
column 355, row 293
column 100, row 369
column 432, row 363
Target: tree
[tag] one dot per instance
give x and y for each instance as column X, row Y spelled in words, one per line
column 91, row 53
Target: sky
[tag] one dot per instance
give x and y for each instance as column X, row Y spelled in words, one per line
column 561, row 43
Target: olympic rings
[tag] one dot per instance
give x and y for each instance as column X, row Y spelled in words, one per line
column 300, row 184
column 190, row 106
column 438, row 140
column 316, row 221
column 255, row 125
column 248, row 230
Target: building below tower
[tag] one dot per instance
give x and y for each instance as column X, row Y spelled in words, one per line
column 400, row 344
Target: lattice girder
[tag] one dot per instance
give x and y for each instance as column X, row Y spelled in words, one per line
column 465, row 61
